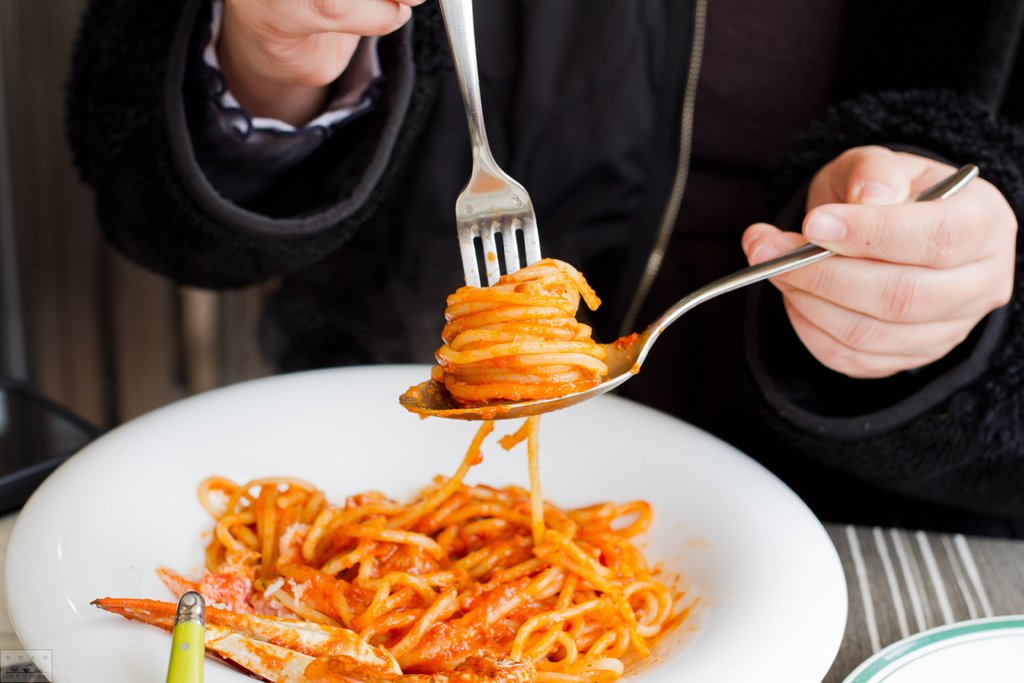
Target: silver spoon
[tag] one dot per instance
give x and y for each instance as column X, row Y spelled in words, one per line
column 624, row 359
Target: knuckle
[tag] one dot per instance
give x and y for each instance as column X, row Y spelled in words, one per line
column 1004, row 297
column 1002, row 293
column 1011, row 220
column 876, row 227
column 331, row 9
column 954, row 338
column 832, row 356
column 947, row 238
column 862, row 333
column 1007, row 220
column 846, row 362
column 821, row 280
column 825, row 172
column 871, row 367
column 902, row 296
column 857, row 153
column 847, row 154
column 872, row 151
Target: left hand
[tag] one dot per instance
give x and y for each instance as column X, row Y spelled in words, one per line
column 909, row 280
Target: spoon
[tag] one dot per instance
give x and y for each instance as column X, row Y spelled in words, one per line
column 626, row 355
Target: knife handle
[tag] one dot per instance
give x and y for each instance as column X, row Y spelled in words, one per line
column 188, row 642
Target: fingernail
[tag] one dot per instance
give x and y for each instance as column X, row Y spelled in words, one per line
column 824, row 227
column 764, row 252
column 875, row 194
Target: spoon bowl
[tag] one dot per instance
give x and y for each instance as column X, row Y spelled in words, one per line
column 625, row 356
column 431, row 399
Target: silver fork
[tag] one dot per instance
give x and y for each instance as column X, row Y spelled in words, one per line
column 493, row 207
column 624, row 360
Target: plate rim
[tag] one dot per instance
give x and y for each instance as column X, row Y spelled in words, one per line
column 879, row 662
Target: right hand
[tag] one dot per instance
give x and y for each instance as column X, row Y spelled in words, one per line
column 279, row 56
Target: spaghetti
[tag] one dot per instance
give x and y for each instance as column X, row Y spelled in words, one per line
column 463, row 572
column 481, row 583
column 519, row 339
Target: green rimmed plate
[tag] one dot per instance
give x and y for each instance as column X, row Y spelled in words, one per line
column 990, row 650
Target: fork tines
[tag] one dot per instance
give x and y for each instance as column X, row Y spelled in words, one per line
column 496, row 247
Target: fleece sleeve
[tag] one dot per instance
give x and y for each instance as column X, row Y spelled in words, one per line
column 951, row 433
column 130, row 99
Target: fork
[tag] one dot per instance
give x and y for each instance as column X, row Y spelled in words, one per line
column 493, row 210
column 627, row 355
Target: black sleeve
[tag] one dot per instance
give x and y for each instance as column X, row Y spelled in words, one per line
column 952, row 432
column 229, row 142
column 133, row 111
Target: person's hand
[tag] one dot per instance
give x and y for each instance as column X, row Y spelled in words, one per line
column 910, row 280
column 279, row 56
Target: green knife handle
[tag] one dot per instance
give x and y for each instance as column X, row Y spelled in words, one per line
column 187, row 650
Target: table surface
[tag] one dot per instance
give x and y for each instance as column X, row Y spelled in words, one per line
column 900, row 582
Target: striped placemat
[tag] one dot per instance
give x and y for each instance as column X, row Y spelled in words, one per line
column 901, row 582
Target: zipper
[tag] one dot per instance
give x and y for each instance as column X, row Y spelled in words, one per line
column 675, row 198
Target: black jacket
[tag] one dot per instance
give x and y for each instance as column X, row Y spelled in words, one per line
column 583, row 100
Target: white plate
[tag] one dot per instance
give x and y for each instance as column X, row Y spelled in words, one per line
column 767, row 578
column 989, row 650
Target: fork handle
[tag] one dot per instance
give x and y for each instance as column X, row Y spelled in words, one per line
column 458, row 23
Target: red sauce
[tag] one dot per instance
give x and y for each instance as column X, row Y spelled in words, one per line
column 626, row 343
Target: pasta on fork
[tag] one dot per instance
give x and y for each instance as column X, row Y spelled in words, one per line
column 519, row 339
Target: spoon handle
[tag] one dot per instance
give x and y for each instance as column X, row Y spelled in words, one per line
column 798, row 258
